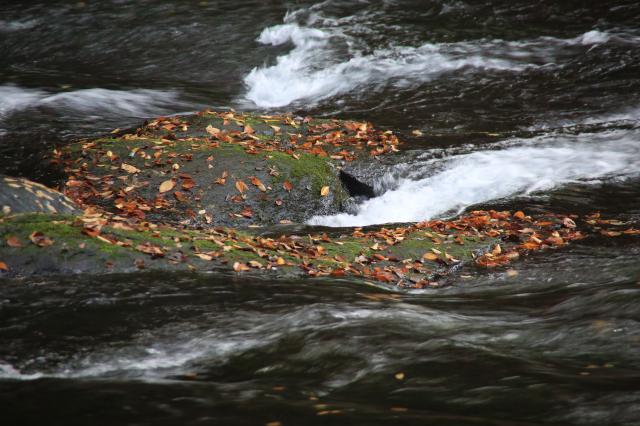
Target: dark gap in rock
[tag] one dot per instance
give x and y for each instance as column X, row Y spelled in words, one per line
column 356, row 188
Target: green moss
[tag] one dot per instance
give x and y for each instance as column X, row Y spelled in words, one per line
column 317, row 169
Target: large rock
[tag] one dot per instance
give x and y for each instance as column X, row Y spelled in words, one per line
column 224, row 168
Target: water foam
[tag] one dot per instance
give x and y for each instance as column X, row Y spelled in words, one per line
column 482, row 176
column 312, row 71
column 328, row 60
column 134, row 103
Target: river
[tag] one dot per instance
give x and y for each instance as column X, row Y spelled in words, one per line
column 531, row 105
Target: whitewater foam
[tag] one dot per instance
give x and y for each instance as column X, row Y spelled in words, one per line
column 484, row 176
column 329, row 59
column 312, row 71
column 133, row 103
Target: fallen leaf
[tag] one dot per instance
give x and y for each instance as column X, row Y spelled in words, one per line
column 519, row 215
column 240, row 267
column 166, row 186
column 248, row 130
column 3, row 267
column 129, row 168
column 287, row 185
column 212, row 130
column 324, row 191
column 204, row 256
column 14, row 242
column 258, row 183
column 180, row 196
column 430, row 256
column 40, row 240
column 241, row 186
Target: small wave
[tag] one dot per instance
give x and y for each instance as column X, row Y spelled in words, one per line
column 311, row 71
column 10, row 26
column 484, row 176
column 329, row 58
column 135, row 103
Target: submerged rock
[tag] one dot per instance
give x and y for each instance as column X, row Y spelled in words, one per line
column 19, row 195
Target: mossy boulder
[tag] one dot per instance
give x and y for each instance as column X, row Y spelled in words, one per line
column 47, row 244
column 223, row 168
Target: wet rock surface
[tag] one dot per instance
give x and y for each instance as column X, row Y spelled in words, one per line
column 224, row 168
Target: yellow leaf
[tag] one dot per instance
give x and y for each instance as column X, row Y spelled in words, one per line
column 430, row 256
column 324, row 191
column 167, row 185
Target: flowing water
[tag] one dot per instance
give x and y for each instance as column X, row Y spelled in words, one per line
column 516, row 104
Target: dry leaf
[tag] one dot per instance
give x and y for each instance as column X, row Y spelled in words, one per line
column 240, row 267
column 166, row 186
column 129, row 168
column 430, row 256
column 40, row 240
column 324, row 191
column 3, row 267
column 212, row 130
column 241, row 186
column 287, row 185
column 14, row 242
column 258, row 183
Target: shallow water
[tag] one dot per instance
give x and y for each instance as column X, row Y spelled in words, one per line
column 522, row 105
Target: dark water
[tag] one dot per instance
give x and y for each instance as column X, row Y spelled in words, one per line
column 532, row 105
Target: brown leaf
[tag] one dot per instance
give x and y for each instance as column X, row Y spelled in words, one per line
column 129, row 168
column 180, row 196
column 287, row 185
column 248, row 130
column 241, row 186
column 258, row 183
column 324, row 191
column 14, row 242
column 278, row 202
column 188, row 184
column 40, row 240
column 166, row 186
column 3, row 267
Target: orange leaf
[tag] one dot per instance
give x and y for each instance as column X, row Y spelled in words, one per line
column 519, row 215
column 180, row 196
column 287, row 185
column 430, row 256
column 324, row 191
column 258, row 183
column 14, row 242
column 40, row 240
column 241, row 186
column 3, row 267
column 248, row 129
column 167, row 185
